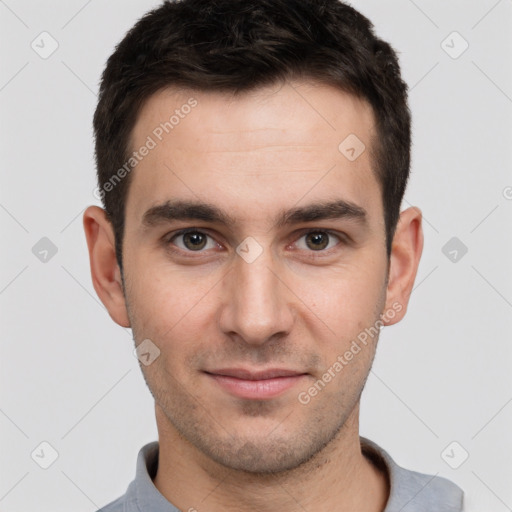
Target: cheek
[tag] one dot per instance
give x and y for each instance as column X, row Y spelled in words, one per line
column 346, row 299
column 166, row 302
column 349, row 305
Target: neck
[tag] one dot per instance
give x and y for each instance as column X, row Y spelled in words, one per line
column 338, row 477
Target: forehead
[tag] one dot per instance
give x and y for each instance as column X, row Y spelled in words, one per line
column 256, row 152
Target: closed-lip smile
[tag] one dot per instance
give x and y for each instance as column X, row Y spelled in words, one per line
column 256, row 384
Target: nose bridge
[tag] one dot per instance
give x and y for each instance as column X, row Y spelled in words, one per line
column 257, row 307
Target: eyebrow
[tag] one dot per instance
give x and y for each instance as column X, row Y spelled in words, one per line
column 194, row 210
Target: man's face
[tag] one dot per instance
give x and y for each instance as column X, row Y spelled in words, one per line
column 294, row 296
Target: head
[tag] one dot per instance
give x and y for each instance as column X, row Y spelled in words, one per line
column 278, row 134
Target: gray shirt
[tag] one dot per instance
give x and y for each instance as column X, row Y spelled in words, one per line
column 410, row 491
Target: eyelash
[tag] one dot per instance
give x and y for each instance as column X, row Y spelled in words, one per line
column 168, row 241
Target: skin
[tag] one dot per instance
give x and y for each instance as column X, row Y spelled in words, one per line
column 295, row 306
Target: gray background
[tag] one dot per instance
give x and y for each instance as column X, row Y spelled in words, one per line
column 68, row 375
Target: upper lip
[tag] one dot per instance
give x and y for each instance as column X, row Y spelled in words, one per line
column 242, row 373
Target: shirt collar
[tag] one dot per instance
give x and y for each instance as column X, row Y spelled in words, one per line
column 406, row 487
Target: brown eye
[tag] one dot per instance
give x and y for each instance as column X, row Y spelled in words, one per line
column 317, row 240
column 194, row 241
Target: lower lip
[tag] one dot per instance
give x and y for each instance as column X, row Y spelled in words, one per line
column 256, row 389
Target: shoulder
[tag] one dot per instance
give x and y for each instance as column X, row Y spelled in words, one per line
column 147, row 456
column 124, row 503
column 411, row 491
column 418, row 492
column 115, row 506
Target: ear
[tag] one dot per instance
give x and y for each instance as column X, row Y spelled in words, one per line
column 404, row 260
column 105, row 272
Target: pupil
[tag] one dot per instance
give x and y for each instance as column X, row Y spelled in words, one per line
column 197, row 240
column 319, row 241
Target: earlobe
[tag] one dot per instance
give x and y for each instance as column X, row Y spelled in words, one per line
column 404, row 260
column 105, row 272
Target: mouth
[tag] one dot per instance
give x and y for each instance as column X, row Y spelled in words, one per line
column 256, row 385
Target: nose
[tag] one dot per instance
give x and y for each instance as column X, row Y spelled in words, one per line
column 257, row 305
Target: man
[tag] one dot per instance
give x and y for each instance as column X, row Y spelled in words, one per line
column 252, row 157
